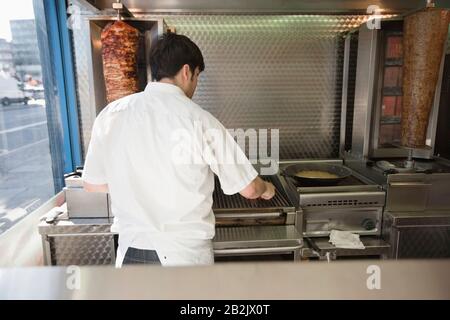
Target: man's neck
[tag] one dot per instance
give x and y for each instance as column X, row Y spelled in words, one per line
column 169, row 81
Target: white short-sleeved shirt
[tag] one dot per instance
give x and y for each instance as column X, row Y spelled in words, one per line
column 158, row 151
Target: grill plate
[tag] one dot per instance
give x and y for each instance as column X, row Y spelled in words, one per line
column 236, row 201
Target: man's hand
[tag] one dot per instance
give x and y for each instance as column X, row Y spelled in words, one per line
column 102, row 188
column 270, row 191
column 258, row 188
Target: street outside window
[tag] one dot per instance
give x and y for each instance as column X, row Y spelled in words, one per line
column 26, row 178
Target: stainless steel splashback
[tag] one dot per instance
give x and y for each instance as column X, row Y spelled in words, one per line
column 262, row 71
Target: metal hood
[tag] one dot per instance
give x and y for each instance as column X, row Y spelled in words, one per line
column 268, row 6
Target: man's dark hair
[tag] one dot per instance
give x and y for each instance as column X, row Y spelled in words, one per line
column 171, row 53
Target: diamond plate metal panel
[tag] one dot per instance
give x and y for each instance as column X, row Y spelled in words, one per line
column 78, row 242
column 82, row 249
column 262, row 71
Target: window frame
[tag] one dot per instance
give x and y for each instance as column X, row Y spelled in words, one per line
column 64, row 136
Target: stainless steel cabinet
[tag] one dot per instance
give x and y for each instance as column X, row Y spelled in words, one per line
column 78, row 242
column 417, row 234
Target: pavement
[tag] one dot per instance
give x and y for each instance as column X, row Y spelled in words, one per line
column 26, row 178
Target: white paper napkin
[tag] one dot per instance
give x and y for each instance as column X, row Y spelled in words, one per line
column 345, row 240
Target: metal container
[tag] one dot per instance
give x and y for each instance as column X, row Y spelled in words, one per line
column 82, row 204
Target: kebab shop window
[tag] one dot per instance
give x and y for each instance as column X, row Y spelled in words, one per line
column 31, row 144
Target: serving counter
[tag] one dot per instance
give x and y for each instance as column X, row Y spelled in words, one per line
column 338, row 280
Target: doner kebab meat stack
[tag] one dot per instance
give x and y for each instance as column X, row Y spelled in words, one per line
column 120, row 44
column 424, row 36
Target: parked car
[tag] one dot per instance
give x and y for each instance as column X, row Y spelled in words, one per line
column 10, row 91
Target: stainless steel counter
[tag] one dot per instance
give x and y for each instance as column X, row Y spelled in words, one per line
column 336, row 280
column 90, row 242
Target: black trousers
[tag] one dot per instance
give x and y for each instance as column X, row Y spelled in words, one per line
column 139, row 256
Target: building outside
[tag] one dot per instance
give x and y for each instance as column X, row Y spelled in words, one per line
column 25, row 49
column 6, row 57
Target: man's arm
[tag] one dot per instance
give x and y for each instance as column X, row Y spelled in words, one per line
column 94, row 174
column 217, row 147
column 258, row 188
column 103, row 188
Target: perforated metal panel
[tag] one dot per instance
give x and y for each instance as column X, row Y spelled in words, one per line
column 265, row 71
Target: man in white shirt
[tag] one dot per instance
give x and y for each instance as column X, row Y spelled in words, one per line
column 161, row 199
